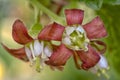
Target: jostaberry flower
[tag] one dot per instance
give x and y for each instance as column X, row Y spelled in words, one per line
column 78, row 37
column 34, row 50
column 81, row 39
column 60, row 52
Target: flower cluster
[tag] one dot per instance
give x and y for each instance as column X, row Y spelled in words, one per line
column 55, row 43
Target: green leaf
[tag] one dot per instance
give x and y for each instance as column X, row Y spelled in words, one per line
column 35, row 29
column 95, row 4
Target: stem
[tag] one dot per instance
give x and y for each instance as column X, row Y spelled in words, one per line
column 48, row 12
column 37, row 15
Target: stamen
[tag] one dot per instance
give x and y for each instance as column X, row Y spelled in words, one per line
column 42, row 55
column 103, row 71
column 86, row 48
column 31, row 48
column 42, row 63
column 79, row 35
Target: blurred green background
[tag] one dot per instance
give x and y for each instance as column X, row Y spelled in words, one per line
column 14, row 69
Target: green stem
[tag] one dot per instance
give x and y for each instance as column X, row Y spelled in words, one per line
column 37, row 14
column 48, row 12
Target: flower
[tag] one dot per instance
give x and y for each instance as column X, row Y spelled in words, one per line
column 34, row 50
column 60, row 52
column 83, row 39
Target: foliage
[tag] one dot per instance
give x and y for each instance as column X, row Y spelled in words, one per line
column 110, row 16
column 97, row 4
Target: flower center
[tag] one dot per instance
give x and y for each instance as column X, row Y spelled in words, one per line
column 75, row 38
column 37, row 52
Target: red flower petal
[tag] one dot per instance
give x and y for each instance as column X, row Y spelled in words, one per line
column 51, row 32
column 59, row 57
column 89, row 58
column 18, row 53
column 74, row 16
column 20, row 34
column 95, row 29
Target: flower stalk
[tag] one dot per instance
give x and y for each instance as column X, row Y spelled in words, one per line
column 53, row 16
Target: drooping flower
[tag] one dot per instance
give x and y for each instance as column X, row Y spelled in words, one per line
column 60, row 52
column 83, row 39
column 35, row 50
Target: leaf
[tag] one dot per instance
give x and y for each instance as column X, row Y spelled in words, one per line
column 95, row 4
column 35, row 29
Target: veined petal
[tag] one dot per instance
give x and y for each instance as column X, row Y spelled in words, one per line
column 59, row 57
column 20, row 34
column 52, row 32
column 95, row 29
column 74, row 16
column 80, row 29
column 89, row 58
column 48, row 51
column 66, row 40
column 69, row 30
column 18, row 53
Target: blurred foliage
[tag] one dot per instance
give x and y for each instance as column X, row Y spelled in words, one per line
column 112, row 2
column 110, row 15
column 5, row 57
column 97, row 4
column 3, row 8
column 45, row 2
